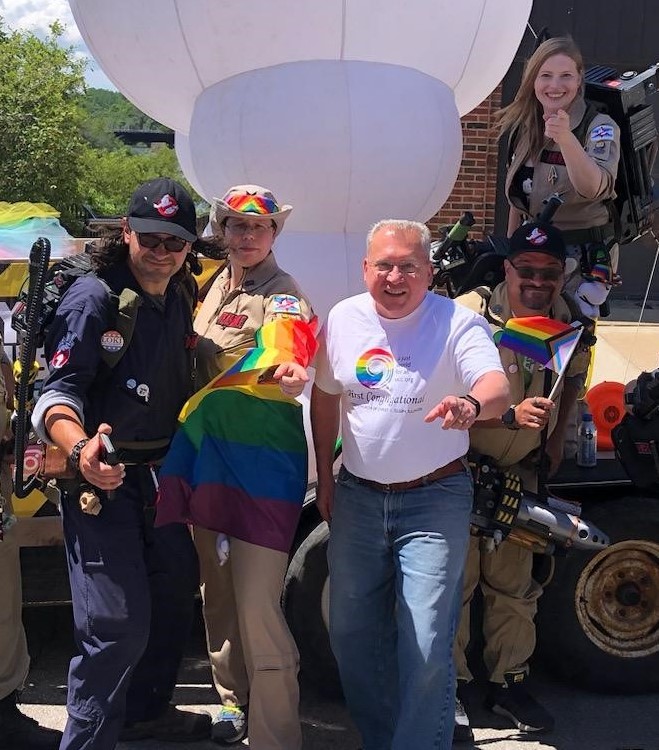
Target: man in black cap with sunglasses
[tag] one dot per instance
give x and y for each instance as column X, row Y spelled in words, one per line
column 132, row 586
column 534, row 278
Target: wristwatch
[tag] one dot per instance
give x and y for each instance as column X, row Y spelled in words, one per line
column 74, row 456
column 508, row 418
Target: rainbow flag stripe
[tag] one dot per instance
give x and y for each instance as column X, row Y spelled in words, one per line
column 549, row 342
column 238, row 465
column 238, row 462
column 253, row 204
column 284, row 339
column 601, row 272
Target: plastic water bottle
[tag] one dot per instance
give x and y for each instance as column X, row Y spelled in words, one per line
column 587, row 442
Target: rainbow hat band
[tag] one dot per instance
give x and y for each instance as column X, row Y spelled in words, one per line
column 248, row 199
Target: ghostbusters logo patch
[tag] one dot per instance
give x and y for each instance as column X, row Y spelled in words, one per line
column 537, row 238
column 166, row 206
column 60, row 358
column 285, row 304
column 112, row 341
column 63, row 351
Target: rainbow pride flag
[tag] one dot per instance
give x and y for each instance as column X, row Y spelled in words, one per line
column 283, row 339
column 601, row 272
column 238, row 463
column 549, row 342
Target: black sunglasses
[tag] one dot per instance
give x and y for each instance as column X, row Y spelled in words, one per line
column 152, row 241
column 544, row 274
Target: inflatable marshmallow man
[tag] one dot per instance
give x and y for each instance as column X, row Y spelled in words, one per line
column 348, row 111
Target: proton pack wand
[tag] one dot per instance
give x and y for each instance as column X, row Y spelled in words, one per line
column 26, row 368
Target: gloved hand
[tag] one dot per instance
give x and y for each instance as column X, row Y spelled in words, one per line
column 222, row 548
column 590, row 295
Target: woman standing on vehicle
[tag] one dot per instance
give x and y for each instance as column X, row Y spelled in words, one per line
column 560, row 144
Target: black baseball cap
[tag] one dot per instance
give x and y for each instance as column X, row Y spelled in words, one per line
column 162, row 205
column 538, row 237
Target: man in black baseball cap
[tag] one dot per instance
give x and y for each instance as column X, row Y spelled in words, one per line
column 133, row 586
column 534, row 278
column 162, row 205
column 535, row 268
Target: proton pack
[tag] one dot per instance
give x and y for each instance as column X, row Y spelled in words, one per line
column 629, row 99
column 60, row 276
column 636, row 437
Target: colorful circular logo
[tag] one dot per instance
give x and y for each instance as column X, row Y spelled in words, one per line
column 375, row 368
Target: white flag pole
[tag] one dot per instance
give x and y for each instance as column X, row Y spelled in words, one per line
column 561, row 374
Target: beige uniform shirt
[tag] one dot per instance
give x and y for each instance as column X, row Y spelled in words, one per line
column 228, row 320
column 505, row 446
column 577, row 212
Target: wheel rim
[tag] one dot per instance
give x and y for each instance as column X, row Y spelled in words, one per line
column 617, row 599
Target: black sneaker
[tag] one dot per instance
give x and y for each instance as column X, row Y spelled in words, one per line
column 230, row 725
column 20, row 732
column 174, row 725
column 462, row 731
column 513, row 701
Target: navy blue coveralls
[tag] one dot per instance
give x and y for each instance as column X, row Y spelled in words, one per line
column 132, row 586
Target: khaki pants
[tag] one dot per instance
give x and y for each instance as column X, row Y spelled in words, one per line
column 510, row 597
column 14, row 659
column 253, row 656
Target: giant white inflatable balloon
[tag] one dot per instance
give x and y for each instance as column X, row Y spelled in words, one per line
column 348, row 110
column 327, row 265
column 345, row 143
column 163, row 53
column 182, row 148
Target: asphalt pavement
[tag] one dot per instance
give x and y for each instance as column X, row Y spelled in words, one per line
column 584, row 721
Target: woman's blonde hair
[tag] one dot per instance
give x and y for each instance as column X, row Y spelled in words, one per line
column 523, row 116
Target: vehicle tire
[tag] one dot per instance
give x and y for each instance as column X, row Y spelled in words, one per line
column 306, row 604
column 598, row 620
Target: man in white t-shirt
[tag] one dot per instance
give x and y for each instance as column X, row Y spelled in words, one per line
column 406, row 373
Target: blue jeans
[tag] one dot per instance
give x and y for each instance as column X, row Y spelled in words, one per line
column 396, row 562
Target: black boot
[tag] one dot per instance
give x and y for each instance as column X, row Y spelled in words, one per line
column 513, row 701
column 20, row 732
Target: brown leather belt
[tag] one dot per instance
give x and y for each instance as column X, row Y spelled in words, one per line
column 455, row 467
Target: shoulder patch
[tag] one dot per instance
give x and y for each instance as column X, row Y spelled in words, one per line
column 286, row 304
column 63, row 350
column 601, row 133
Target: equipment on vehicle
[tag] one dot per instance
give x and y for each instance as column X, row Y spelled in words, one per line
column 504, row 510
column 636, row 438
column 629, row 99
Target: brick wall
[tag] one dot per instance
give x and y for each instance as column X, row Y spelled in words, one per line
column 475, row 188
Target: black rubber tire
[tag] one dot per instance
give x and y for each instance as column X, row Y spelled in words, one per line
column 306, row 579
column 632, row 523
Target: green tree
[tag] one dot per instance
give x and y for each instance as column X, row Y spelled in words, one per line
column 40, row 117
column 109, row 178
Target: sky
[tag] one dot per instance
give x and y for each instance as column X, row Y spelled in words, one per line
column 37, row 15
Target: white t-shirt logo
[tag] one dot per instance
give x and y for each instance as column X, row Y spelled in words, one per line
column 375, row 368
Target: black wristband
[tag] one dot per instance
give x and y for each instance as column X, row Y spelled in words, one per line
column 474, row 401
column 74, row 456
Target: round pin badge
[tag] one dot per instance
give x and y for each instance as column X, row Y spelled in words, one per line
column 143, row 391
column 112, row 341
column 131, row 383
column 512, row 368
